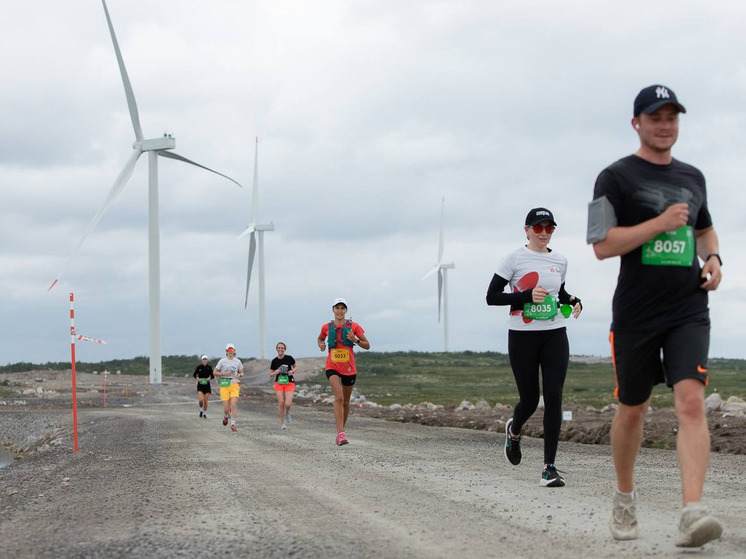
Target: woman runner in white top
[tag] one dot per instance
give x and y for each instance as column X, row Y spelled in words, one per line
column 537, row 337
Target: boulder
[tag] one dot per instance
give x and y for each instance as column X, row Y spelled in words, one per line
column 734, row 404
column 713, row 402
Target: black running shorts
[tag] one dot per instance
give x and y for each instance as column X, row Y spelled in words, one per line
column 204, row 388
column 638, row 365
column 347, row 380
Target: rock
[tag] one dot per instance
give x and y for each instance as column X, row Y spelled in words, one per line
column 465, row 405
column 482, row 405
column 395, row 407
column 429, row 406
column 713, row 402
column 734, row 404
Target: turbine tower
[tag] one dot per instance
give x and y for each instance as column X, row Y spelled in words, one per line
column 154, row 147
column 256, row 232
column 442, row 269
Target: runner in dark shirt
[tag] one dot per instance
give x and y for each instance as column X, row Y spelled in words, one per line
column 283, row 367
column 651, row 210
column 203, row 374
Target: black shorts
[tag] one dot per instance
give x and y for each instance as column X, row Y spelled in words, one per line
column 347, row 380
column 638, row 365
column 204, row 388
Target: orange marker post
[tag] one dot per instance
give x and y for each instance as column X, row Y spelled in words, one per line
column 72, row 359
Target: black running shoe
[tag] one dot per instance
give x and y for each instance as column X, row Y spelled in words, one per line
column 551, row 477
column 512, row 445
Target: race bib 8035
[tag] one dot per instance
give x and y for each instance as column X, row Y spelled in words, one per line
column 541, row 311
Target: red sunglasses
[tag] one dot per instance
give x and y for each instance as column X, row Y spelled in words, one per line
column 539, row 228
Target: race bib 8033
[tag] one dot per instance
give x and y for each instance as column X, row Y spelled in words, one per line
column 340, row 355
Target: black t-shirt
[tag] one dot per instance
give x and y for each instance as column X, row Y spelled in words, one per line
column 654, row 297
column 203, row 372
column 277, row 363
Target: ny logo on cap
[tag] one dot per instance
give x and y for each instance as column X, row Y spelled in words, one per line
column 542, row 212
column 661, row 92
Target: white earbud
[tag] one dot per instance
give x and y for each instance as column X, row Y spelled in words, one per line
column 637, row 126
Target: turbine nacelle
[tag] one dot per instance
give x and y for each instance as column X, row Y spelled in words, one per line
column 253, row 227
column 155, row 144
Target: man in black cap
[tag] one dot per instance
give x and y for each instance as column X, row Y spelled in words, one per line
column 651, row 210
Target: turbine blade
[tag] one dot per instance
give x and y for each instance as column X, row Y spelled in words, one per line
column 247, row 231
column 440, row 244
column 431, row 272
column 131, row 103
column 172, row 155
column 255, row 184
column 252, row 250
column 440, row 290
column 116, row 188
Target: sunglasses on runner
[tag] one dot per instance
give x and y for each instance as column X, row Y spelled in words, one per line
column 539, row 228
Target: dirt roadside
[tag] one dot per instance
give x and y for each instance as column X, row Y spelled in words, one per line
column 153, row 480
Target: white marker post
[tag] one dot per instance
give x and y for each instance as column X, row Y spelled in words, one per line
column 73, row 336
column 72, row 358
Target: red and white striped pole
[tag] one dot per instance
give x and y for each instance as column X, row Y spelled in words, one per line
column 72, row 357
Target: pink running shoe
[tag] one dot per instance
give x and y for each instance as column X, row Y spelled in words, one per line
column 233, row 427
column 225, row 421
column 341, row 439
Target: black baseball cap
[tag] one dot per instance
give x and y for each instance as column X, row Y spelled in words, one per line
column 653, row 98
column 537, row 215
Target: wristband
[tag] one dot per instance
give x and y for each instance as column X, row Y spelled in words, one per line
column 716, row 255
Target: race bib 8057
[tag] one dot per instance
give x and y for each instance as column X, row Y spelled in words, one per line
column 671, row 248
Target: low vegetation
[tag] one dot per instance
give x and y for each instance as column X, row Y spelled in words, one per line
column 443, row 378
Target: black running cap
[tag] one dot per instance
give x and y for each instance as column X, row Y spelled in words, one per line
column 537, row 215
column 653, row 98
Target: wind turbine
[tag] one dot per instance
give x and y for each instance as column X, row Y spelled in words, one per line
column 154, row 147
column 442, row 269
column 256, row 232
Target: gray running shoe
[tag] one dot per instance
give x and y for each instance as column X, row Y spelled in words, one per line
column 697, row 526
column 284, row 426
column 512, row 445
column 551, row 477
column 623, row 521
column 288, row 418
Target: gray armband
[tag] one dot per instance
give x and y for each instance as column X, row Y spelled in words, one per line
column 601, row 218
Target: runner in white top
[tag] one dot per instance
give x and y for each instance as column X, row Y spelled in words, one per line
column 537, row 336
column 229, row 370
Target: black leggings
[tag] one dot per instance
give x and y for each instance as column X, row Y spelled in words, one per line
column 528, row 351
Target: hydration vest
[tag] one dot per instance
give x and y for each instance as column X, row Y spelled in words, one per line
column 333, row 329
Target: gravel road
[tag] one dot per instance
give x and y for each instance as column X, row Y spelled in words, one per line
column 154, row 480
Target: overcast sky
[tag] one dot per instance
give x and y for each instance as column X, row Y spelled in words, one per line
column 368, row 113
